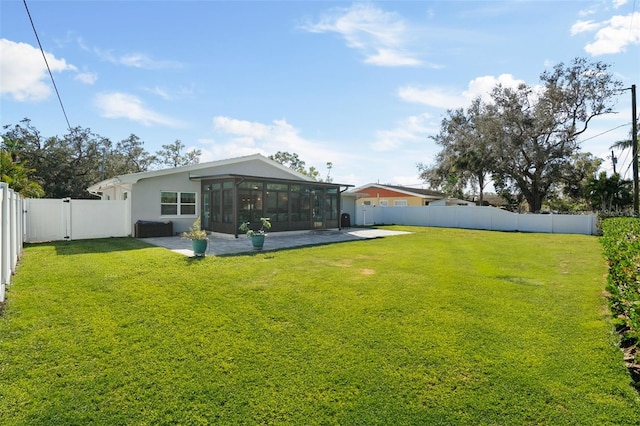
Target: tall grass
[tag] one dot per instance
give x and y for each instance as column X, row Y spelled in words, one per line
column 438, row 327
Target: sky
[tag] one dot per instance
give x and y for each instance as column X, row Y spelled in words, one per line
column 363, row 85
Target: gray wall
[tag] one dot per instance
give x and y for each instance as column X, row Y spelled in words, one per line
column 145, row 199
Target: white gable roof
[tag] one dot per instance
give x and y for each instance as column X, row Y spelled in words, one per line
column 208, row 169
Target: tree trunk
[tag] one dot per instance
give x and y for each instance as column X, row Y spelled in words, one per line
column 534, row 201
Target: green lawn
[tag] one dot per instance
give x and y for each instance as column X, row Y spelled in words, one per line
column 442, row 326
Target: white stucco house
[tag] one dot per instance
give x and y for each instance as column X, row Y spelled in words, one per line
column 225, row 193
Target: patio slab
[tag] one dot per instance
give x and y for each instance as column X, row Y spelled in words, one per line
column 220, row 245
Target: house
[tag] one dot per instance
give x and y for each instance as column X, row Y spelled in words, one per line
column 393, row 196
column 453, row 202
column 226, row 193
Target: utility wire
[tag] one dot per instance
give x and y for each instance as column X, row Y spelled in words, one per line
column 623, row 162
column 605, row 132
column 47, row 63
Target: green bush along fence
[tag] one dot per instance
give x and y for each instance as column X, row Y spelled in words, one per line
column 621, row 241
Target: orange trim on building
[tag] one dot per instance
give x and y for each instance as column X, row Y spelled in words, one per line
column 374, row 192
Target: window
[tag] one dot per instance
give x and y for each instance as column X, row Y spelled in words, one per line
column 278, row 202
column 250, row 203
column 177, row 203
column 384, row 203
column 300, row 201
column 400, row 203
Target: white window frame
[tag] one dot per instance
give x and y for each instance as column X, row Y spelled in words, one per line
column 179, row 204
column 384, row 203
column 400, row 203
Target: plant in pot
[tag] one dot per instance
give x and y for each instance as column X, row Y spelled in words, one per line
column 257, row 236
column 198, row 237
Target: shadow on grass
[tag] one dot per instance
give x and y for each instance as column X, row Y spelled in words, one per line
column 101, row 245
column 289, row 248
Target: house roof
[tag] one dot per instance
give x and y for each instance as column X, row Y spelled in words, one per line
column 414, row 192
column 195, row 171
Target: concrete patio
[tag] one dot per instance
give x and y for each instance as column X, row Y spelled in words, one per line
column 222, row 244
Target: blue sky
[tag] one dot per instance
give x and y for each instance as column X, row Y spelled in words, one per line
column 360, row 84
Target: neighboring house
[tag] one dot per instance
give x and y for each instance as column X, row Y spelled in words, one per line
column 393, row 196
column 453, row 202
column 226, row 193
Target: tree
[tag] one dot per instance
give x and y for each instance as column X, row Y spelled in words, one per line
column 466, row 157
column 530, row 134
column 569, row 193
column 64, row 166
column 171, row 155
column 294, row 162
column 129, row 156
column 16, row 175
column 536, row 131
column 609, row 193
column 329, row 165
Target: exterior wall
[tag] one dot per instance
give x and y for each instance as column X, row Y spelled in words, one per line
column 348, row 205
column 114, row 193
column 145, row 200
column 475, row 217
column 374, row 195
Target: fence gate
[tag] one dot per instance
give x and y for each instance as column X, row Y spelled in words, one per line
column 67, row 219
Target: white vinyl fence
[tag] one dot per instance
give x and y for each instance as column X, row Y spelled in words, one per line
column 67, row 219
column 11, row 220
column 474, row 217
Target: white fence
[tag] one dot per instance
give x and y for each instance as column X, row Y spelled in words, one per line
column 11, row 220
column 67, row 219
column 473, row 217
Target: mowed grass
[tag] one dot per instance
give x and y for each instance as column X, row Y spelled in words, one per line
column 442, row 326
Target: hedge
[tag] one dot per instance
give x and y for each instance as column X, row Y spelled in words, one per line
column 621, row 242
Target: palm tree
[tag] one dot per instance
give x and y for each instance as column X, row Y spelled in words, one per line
column 609, row 192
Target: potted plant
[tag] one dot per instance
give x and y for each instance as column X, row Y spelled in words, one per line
column 198, row 237
column 257, row 236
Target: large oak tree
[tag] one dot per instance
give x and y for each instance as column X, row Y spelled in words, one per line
column 532, row 133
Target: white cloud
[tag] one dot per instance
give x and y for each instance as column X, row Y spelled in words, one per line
column 389, row 57
column 242, row 128
column 170, row 93
column 242, row 137
column 584, row 26
column 410, row 130
column 87, row 77
column 123, row 105
column 619, row 3
column 433, row 96
column 135, row 60
column 612, row 36
column 23, row 71
column 445, row 98
column 482, row 86
column 139, row 60
column 381, row 36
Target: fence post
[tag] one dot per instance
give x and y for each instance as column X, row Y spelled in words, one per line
column 3, row 193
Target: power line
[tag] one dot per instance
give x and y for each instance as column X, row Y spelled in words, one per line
column 47, row 63
column 623, row 162
column 605, row 132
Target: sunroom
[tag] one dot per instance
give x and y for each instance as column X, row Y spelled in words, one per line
column 291, row 205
